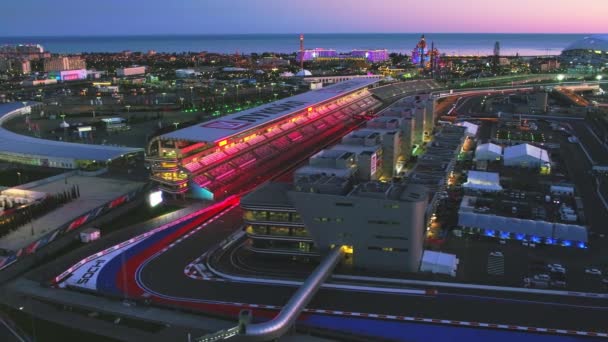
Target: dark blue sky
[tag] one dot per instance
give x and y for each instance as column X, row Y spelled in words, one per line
column 136, row 17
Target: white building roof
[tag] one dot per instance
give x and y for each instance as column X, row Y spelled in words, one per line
column 303, row 73
column 237, row 123
column 483, row 181
column 526, row 150
column 488, row 150
column 471, row 127
column 437, row 262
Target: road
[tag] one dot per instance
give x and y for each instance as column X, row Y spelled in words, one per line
column 163, row 275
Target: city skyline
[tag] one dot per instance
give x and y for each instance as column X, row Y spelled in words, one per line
column 188, row 17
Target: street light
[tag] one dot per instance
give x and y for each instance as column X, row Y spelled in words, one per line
column 128, row 108
column 19, row 175
column 560, row 77
column 598, row 77
column 176, row 124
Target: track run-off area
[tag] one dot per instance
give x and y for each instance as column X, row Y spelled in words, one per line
column 152, row 266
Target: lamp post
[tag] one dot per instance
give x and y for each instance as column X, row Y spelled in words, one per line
column 128, row 108
column 560, row 77
column 191, row 96
column 598, row 78
column 19, row 176
column 176, row 124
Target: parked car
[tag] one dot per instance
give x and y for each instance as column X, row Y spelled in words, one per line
column 593, row 271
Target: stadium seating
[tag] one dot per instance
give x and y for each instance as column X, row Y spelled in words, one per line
column 212, row 158
column 281, row 143
column 295, row 136
column 220, row 170
column 202, row 180
column 256, row 139
column 264, row 151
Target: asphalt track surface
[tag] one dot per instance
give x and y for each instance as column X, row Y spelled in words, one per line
column 163, row 275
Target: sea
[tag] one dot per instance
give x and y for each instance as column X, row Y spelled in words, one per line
column 451, row 44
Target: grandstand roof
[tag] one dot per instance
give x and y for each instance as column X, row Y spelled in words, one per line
column 230, row 125
column 13, row 143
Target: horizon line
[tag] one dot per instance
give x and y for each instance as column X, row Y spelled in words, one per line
column 286, row 34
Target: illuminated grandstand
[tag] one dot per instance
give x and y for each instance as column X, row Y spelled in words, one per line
column 227, row 155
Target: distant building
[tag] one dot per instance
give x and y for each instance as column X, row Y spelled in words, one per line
column 69, row 75
column 372, row 56
column 310, row 55
column 591, row 50
column 24, row 51
column 131, row 71
column 64, row 63
column 272, row 62
column 185, row 73
column 15, row 65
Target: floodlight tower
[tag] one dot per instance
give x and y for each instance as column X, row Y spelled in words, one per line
column 301, row 52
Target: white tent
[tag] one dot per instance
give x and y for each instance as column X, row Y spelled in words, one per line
column 471, row 128
column 525, row 155
column 488, row 151
column 303, row 73
column 483, row 181
column 437, row 262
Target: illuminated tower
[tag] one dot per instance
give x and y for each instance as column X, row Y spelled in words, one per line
column 422, row 50
column 301, row 52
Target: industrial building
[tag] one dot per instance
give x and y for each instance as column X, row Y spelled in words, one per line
column 334, row 201
column 227, row 155
column 381, row 223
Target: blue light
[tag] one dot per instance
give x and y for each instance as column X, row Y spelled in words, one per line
column 490, row 232
column 504, row 235
column 581, row 245
column 520, row 236
column 566, row 243
column 549, row 241
column 535, row 239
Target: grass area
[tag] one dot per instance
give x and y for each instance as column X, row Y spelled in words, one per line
column 15, row 176
column 141, row 213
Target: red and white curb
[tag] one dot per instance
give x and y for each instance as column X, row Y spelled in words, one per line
column 434, row 321
column 141, row 237
column 459, row 323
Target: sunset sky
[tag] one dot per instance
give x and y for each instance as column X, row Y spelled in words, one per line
column 134, row 17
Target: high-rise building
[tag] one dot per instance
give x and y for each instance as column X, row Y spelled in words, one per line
column 64, row 63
